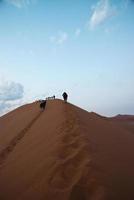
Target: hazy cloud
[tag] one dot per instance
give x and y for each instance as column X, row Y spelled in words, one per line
column 60, row 38
column 21, row 3
column 77, row 32
column 11, row 91
column 101, row 12
column 4, row 106
column 10, row 94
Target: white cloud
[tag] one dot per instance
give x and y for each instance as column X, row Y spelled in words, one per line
column 21, row 3
column 4, row 107
column 11, row 94
column 60, row 38
column 11, row 91
column 77, row 32
column 102, row 11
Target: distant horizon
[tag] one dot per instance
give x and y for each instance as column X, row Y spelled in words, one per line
column 83, row 48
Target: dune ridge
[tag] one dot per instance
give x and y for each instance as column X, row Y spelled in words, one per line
column 72, row 159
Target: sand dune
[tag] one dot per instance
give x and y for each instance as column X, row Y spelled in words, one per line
column 64, row 153
column 126, row 121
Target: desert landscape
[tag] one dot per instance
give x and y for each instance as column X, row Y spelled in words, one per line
column 65, row 153
column 66, row 100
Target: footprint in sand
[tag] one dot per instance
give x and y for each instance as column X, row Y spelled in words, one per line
column 72, row 157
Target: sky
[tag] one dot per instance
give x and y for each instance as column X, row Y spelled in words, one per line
column 83, row 47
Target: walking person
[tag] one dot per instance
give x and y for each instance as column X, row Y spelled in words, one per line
column 43, row 104
column 65, row 96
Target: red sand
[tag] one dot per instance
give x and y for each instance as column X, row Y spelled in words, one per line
column 64, row 153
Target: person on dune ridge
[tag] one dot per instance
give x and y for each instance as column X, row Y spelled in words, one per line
column 65, row 96
column 43, row 104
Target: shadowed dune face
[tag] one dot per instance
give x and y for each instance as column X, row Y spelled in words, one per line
column 64, row 153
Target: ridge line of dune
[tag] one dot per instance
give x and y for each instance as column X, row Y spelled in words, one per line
column 7, row 150
column 72, row 162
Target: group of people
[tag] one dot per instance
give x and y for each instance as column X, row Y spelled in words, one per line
column 43, row 102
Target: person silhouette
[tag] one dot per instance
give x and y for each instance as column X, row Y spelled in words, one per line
column 43, row 104
column 65, row 96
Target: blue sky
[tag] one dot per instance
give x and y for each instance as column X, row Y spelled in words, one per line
column 83, row 47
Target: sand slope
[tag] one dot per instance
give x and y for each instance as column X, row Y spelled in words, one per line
column 64, row 153
column 126, row 121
